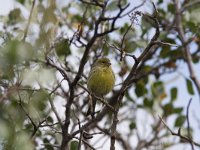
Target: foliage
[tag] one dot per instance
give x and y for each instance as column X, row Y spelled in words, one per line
column 45, row 60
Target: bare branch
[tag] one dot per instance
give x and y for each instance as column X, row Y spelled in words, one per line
column 95, row 3
column 188, row 123
column 55, row 112
column 190, row 5
column 29, row 21
column 185, row 45
column 179, row 134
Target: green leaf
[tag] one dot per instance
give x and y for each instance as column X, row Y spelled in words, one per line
column 124, row 29
column 62, row 48
column 195, row 60
column 160, row 1
column 157, row 89
column 173, row 92
column 47, row 146
column 113, row 5
column 50, row 119
column 140, row 89
column 147, row 22
column 175, row 53
column 129, row 98
column 14, row 16
column 171, row 8
column 190, row 86
column 193, row 15
column 132, row 125
column 141, row 43
column 13, row 53
column 193, row 27
column 168, row 109
column 147, row 68
column 178, row 110
column 39, row 99
column 130, row 46
column 49, row 14
column 21, row 1
column 37, row 104
column 148, row 103
column 180, row 121
column 164, row 53
column 74, row 145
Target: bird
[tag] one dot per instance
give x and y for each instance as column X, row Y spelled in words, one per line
column 101, row 81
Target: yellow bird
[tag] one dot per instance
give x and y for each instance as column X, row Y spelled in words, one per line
column 100, row 82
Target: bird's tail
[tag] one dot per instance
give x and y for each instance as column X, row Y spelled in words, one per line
column 92, row 105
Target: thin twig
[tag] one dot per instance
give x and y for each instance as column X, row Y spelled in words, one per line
column 52, row 145
column 105, row 103
column 188, row 123
column 55, row 112
column 96, row 3
column 29, row 21
column 179, row 134
column 85, row 142
column 133, row 9
column 32, row 122
column 122, row 43
column 190, row 5
column 165, row 43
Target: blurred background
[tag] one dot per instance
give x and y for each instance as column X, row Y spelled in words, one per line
column 47, row 45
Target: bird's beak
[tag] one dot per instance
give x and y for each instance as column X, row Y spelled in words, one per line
column 109, row 64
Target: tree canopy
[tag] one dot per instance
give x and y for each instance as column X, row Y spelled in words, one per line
column 47, row 50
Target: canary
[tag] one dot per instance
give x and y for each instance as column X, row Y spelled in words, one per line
column 100, row 82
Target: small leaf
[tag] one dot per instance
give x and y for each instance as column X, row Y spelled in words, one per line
column 140, row 89
column 175, row 53
column 21, row 1
column 148, row 103
column 74, row 145
column 178, row 110
column 113, row 5
column 190, row 86
column 50, row 119
column 14, row 16
column 180, row 121
column 45, row 140
column 47, row 146
column 158, row 89
column 171, row 8
column 132, row 125
column 193, row 27
column 147, row 68
column 168, row 109
column 164, row 53
column 129, row 98
column 123, row 29
column 62, row 48
column 141, row 43
column 160, row 1
column 173, row 92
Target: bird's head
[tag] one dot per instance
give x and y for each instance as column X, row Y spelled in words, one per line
column 105, row 62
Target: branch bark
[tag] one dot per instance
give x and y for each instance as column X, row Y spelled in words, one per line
column 186, row 48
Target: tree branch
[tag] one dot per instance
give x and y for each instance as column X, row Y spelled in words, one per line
column 179, row 134
column 29, row 21
column 185, row 45
column 188, row 123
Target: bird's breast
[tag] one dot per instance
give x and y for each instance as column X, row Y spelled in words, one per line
column 101, row 81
